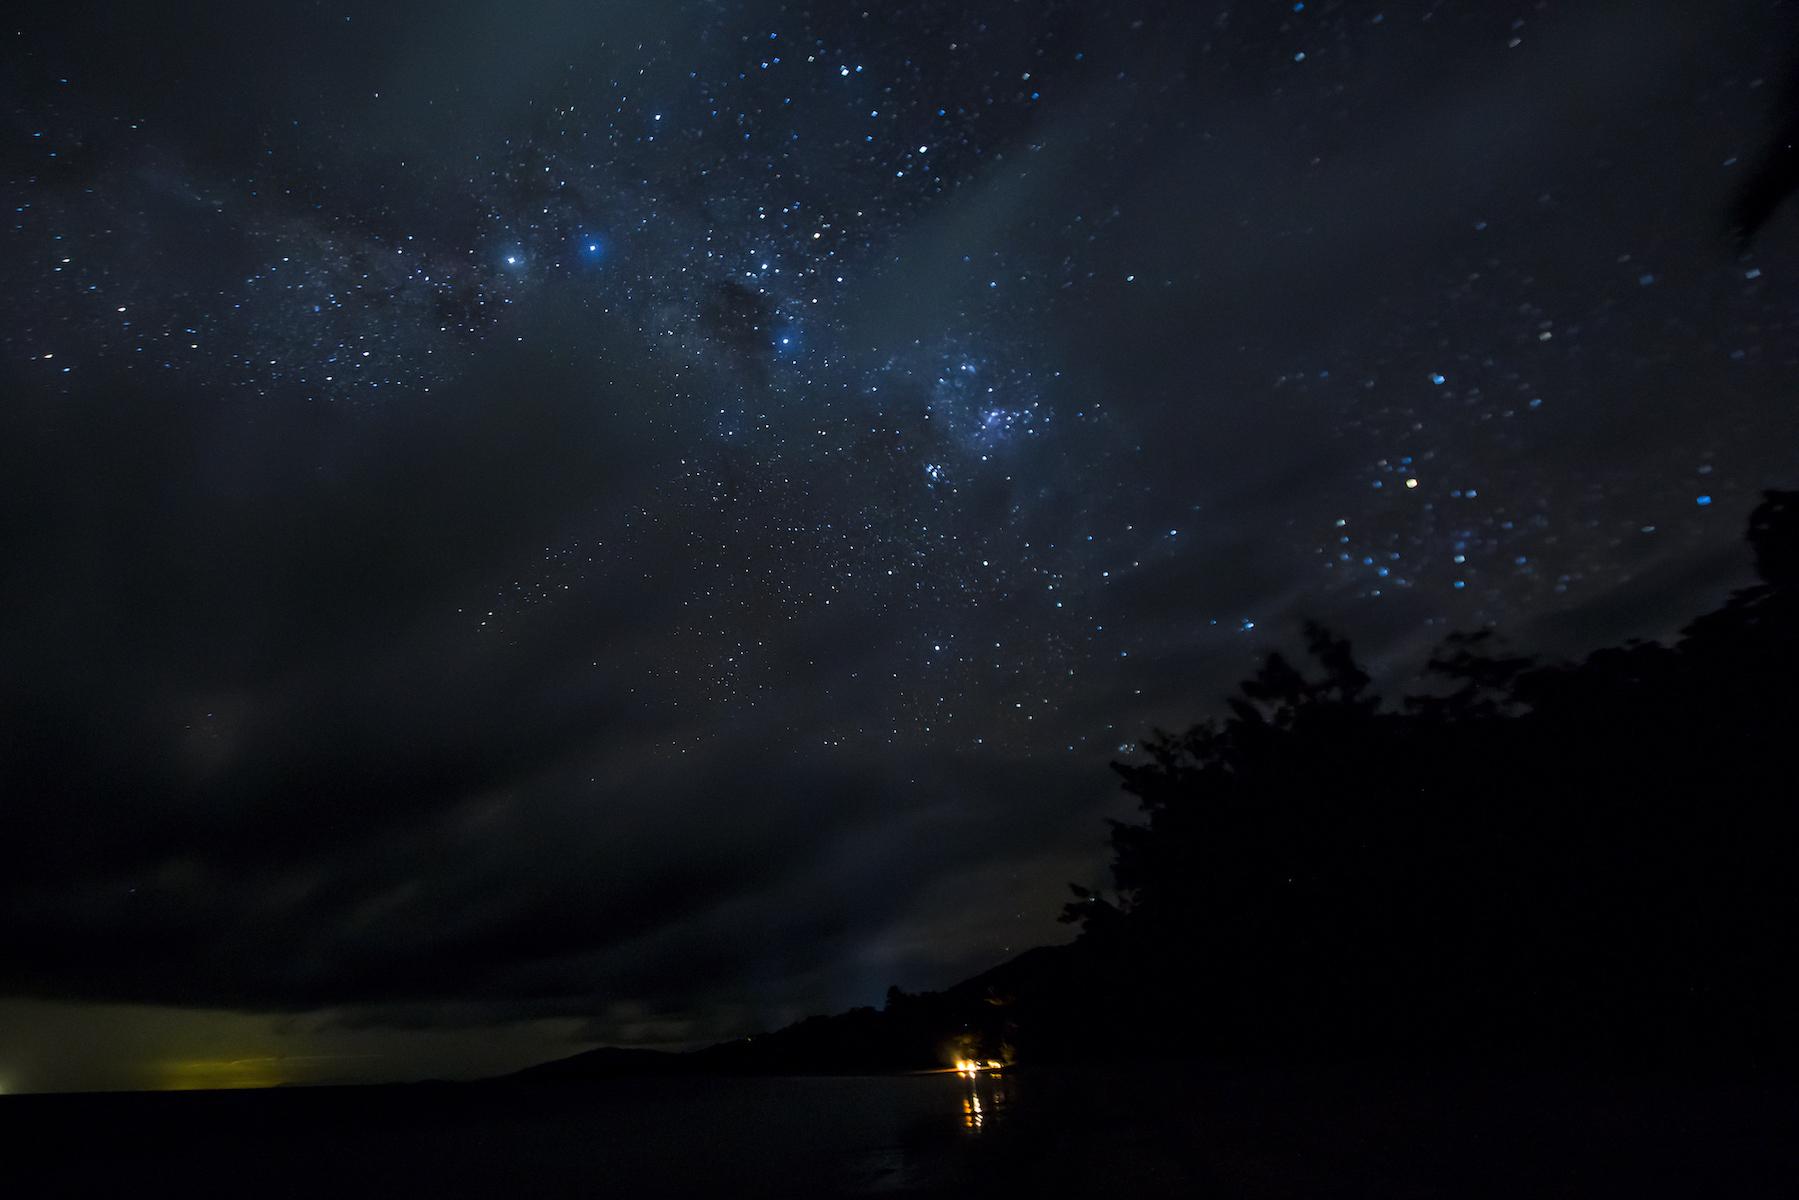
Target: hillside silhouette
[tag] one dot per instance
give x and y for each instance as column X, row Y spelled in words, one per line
column 1588, row 861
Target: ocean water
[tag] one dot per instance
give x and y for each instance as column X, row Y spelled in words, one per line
column 885, row 1136
column 1095, row 1133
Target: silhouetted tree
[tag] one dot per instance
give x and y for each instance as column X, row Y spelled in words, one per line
column 1591, row 857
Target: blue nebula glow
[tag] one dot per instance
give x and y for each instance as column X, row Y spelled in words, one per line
column 590, row 246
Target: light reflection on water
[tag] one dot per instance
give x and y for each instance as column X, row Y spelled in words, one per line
column 983, row 1101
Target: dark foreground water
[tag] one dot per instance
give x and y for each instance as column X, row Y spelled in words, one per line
column 1137, row 1132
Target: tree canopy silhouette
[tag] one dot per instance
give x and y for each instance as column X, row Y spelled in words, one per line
column 1592, row 857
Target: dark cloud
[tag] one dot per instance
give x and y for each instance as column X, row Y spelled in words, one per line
column 264, row 759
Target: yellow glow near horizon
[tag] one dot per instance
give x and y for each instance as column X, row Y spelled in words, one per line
column 199, row 1074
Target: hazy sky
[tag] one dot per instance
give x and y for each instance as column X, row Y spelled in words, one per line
column 551, row 523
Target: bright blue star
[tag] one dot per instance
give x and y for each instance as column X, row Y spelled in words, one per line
column 590, row 247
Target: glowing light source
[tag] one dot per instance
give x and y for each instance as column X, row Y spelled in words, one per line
column 968, row 1068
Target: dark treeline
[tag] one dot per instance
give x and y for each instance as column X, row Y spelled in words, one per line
column 1594, row 859
column 1591, row 861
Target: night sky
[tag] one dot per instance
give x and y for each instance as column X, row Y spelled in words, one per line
column 532, row 525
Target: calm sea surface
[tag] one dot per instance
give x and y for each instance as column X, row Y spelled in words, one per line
column 1091, row 1133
